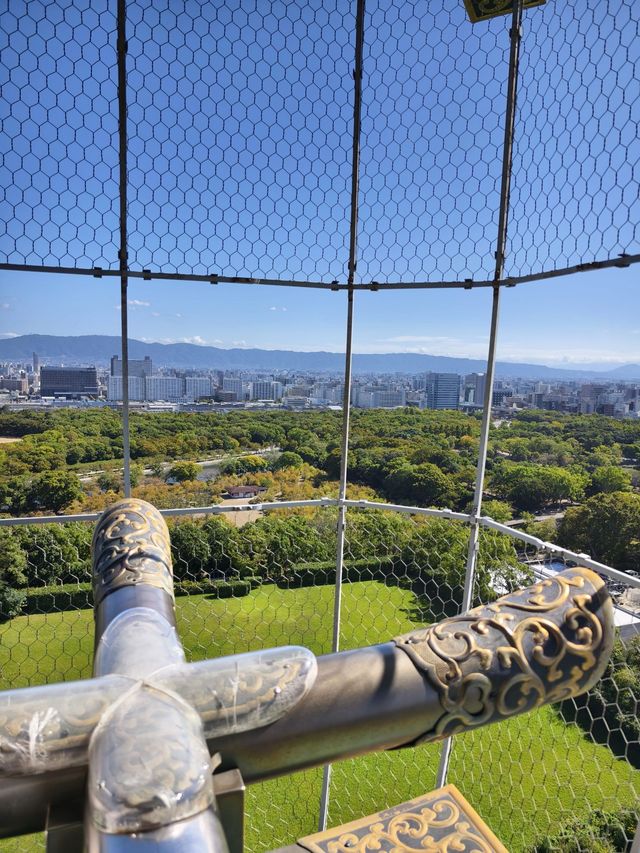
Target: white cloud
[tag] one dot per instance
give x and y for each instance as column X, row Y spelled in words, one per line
column 155, row 313
column 198, row 340
column 238, row 343
column 138, row 303
column 5, row 306
column 9, row 335
column 277, row 308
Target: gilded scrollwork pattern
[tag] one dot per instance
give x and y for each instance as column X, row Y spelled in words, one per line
column 480, row 10
column 538, row 645
column 439, row 822
column 131, row 546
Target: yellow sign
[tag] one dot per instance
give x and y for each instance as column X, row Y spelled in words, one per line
column 481, row 10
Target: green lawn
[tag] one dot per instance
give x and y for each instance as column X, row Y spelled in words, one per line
column 523, row 776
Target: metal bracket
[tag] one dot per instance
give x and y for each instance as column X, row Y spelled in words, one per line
column 64, row 833
column 229, row 789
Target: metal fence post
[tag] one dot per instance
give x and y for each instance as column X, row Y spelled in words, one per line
column 123, row 249
column 503, row 218
column 346, row 397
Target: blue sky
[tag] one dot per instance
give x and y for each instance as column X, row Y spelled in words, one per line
column 239, row 123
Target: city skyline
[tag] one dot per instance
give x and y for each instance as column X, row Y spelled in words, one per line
column 586, row 320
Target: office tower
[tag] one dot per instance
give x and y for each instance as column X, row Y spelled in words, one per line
column 68, row 382
column 443, row 390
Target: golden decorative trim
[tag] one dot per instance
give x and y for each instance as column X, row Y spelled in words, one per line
column 131, row 546
column 482, row 10
column 439, row 822
column 538, row 645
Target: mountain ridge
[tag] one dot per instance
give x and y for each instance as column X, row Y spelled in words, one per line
column 99, row 348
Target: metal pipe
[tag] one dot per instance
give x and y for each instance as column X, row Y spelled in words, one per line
column 348, row 360
column 411, row 510
column 123, row 249
column 129, row 805
column 175, row 511
column 368, row 699
column 581, row 559
column 503, row 221
column 621, row 262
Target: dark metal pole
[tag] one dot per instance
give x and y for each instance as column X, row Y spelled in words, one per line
column 173, row 808
column 123, row 249
column 503, row 221
column 348, row 358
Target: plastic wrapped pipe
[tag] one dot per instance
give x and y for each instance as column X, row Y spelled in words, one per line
column 46, row 728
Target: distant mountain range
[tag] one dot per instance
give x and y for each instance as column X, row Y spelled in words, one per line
column 92, row 349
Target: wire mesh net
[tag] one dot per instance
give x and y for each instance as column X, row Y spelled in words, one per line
column 432, row 132
column 574, row 196
column 58, row 142
column 240, row 133
column 240, row 138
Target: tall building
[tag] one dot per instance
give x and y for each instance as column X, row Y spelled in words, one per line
column 266, row 389
column 136, row 388
column 235, row 385
column 389, row 399
column 474, row 388
column 196, row 387
column 443, row 390
column 36, row 363
column 137, row 367
column 68, row 382
column 169, row 388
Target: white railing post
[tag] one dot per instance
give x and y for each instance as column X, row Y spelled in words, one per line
column 346, row 397
column 503, row 217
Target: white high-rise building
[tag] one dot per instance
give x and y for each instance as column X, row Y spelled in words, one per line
column 136, row 388
column 266, row 389
column 169, row 388
column 388, row 399
column 196, row 387
column 235, row 385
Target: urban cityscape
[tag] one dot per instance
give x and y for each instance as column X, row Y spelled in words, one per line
column 154, row 387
